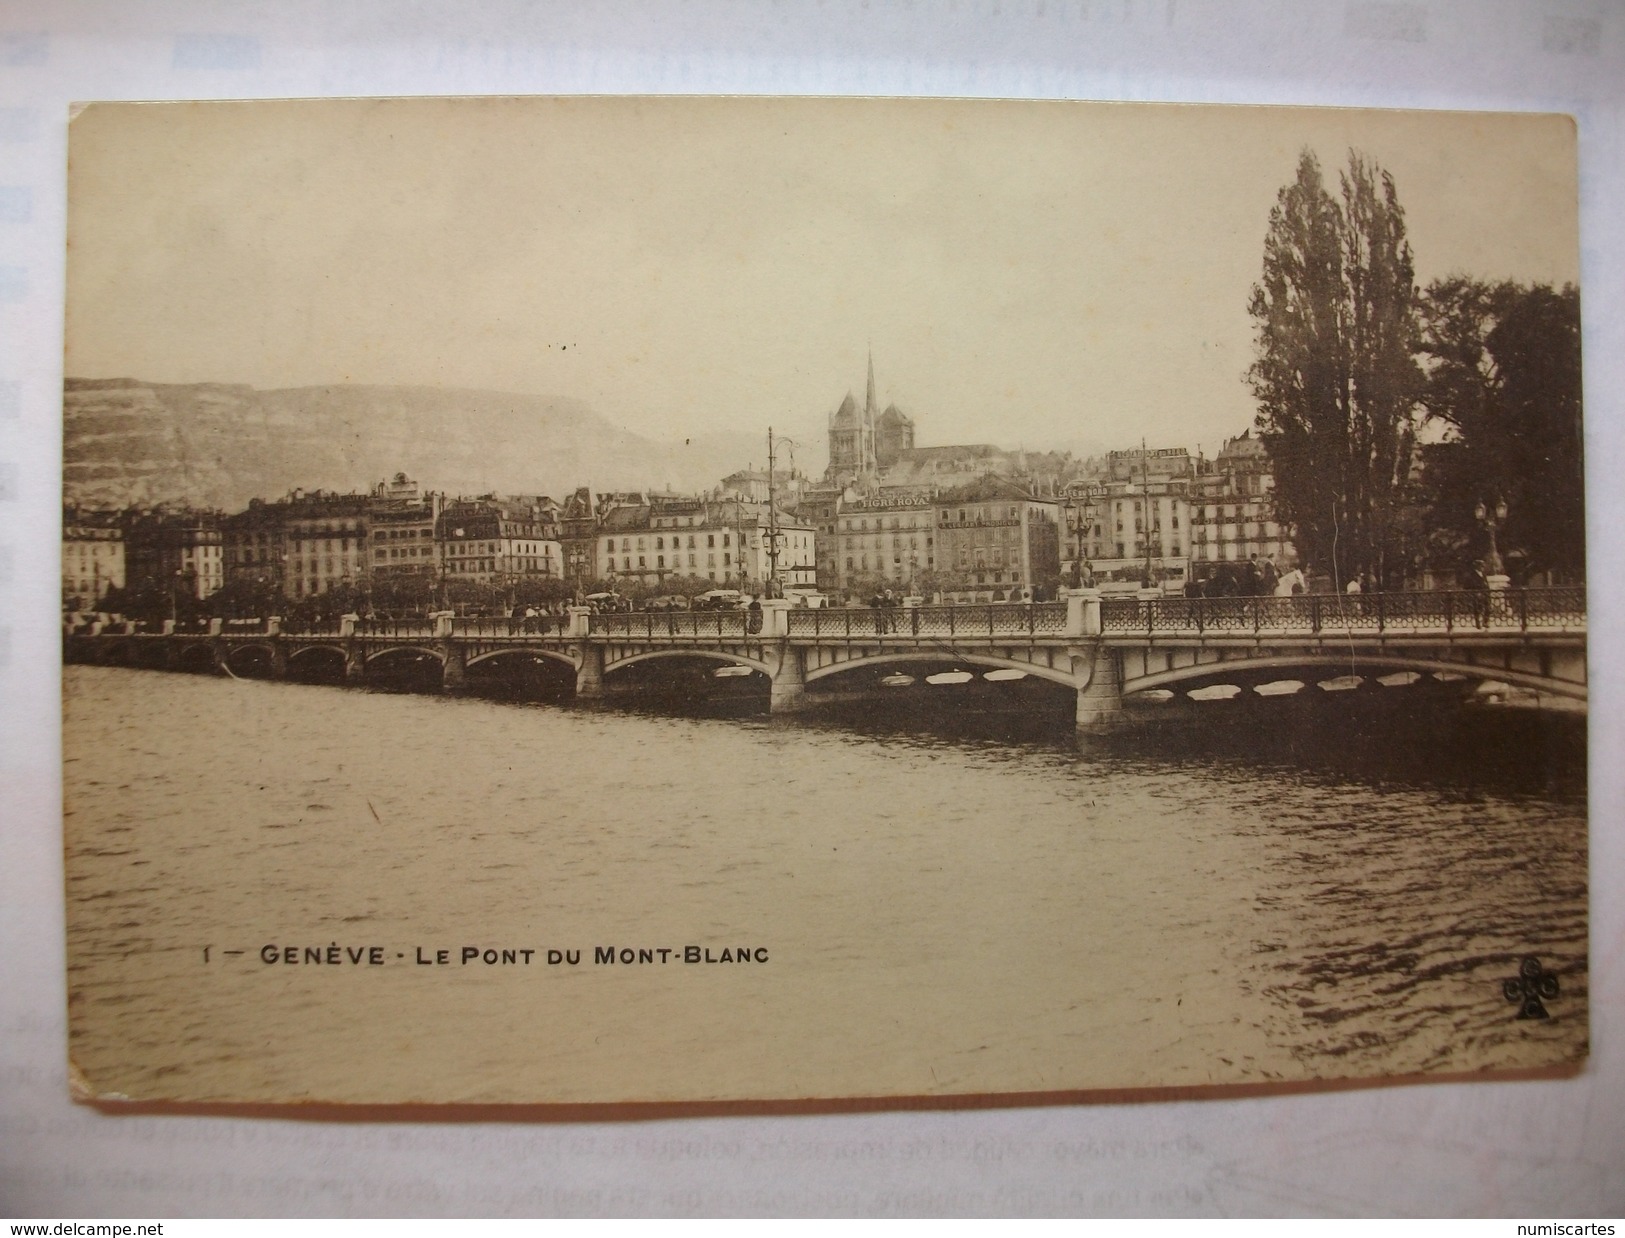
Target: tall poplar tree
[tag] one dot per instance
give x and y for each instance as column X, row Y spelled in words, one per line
column 1335, row 374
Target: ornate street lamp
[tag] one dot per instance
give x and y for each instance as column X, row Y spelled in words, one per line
column 1492, row 522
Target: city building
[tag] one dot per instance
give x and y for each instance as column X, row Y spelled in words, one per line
column 996, row 534
column 785, row 488
column 254, row 545
column 951, row 465
column 819, row 510
column 498, row 541
column 721, row 540
column 92, row 556
column 1233, row 515
column 1129, row 521
column 884, row 538
column 402, row 526
column 578, row 532
column 326, row 539
column 175, row 549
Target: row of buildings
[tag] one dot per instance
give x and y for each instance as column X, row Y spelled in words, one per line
column 963, row 520
column 977, row 517
column 310, row 543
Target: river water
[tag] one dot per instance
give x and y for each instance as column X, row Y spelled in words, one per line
column 924, row 911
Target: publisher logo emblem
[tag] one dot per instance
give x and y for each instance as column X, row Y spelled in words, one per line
column 1531, row 989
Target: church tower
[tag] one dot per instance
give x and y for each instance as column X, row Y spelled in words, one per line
column 853, row 439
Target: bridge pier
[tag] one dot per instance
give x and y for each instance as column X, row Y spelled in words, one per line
column 590, row 676
column 789, row 691
column 1100, row 703
column 453, row 666
column 355, row 663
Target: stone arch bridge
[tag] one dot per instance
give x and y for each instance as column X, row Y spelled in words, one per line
column 1101, row 648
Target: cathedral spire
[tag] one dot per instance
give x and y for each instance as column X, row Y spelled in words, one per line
column 868, row 452
column 869, row 404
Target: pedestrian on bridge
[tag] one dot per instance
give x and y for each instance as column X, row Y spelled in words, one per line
column 1269, row 576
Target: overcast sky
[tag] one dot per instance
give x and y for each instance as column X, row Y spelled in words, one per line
column 1026, row 273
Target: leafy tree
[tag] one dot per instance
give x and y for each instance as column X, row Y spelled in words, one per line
column 1503, row 384
column 343, row 598
column 932, row 581
column 1335, row 373
column 246, row 597
column 688, row 586
column 542, row 591
column 116, row 601
column 413, row 593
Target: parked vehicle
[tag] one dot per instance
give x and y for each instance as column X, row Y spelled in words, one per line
column 607, row 603
column 721, row 599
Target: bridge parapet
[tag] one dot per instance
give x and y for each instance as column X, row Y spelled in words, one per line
column 400, row 629
column 998, row 619
column 1555, row 611
column 652, row 625
column 534, row 625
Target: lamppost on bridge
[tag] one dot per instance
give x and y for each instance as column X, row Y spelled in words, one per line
column 1492, row 520
column 1078, row 517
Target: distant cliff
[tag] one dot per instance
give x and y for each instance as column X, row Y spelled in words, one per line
column 126, row 441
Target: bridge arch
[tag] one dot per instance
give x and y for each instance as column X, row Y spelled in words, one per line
column 198, row 657
column 231, row 657
column 235, row 647
column 991, row 661
column 121, row 652
column 304, row 650
column 550, row 654
column 715, row 655
column 390, row 651
column 1350, row 663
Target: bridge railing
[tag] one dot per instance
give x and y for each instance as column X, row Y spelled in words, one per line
column 654, row 624
column 1426, row 611
column 534, row 625
column 994, row 619
column 414, row 629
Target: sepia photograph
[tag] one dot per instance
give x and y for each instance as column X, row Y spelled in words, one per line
column 632, row 601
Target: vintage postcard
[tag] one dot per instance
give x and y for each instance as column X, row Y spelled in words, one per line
column 627, row 600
